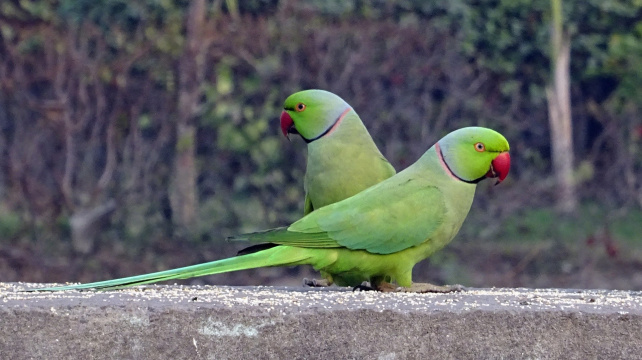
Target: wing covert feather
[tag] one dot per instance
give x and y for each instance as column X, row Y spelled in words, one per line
column 386, row 223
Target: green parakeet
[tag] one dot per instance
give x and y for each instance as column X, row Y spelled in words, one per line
column 379, row 234
column 343, row 160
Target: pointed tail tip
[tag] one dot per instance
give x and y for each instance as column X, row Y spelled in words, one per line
column 237, row 238
column 54, row 288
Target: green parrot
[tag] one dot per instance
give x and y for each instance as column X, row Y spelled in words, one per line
column 343, row 160
column 377, row 235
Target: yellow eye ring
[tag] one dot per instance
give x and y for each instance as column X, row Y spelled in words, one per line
column 480, row 147
column 299, row 107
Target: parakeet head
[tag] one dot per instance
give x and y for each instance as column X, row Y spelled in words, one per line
column 312, row 113
column 474, row 153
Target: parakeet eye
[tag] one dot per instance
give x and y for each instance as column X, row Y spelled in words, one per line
column 300, row 107
column 480, row 147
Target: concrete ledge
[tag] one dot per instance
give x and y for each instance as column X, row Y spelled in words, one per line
column 214, row 322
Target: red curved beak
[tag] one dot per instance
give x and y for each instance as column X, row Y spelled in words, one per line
column 499, row 167
column 287, row 125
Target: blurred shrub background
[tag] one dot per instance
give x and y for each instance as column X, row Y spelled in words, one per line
column 136, row 135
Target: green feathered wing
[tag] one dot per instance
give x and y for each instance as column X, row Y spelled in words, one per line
column 370, row 223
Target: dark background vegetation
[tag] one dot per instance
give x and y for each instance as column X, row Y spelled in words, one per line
column 103, row 102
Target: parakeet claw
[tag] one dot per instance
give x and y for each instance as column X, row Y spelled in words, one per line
column 315, row 282
column 426, row 288
column 387, row 287
column 382, row 287
column 364, row 286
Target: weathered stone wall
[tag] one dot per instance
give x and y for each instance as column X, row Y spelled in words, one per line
column 174, row 322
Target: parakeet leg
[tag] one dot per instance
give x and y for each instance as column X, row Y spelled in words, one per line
column 325, row 282
column 426, row 288
column 382, row 286
column 364, row 286
column 387, row 287
column 316, row 283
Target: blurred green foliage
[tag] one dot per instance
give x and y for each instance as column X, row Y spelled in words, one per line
column 537, row 224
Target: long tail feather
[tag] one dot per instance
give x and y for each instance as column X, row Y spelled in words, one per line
column 277, row 256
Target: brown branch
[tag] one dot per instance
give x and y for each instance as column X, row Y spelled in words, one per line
column 110, row 164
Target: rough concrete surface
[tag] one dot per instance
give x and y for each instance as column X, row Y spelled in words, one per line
column 215, row 322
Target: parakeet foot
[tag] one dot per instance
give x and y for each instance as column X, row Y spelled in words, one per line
column 383, row 287
column 364, row 286
column 426, row 288
column 387, row 287
column 316, row 283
